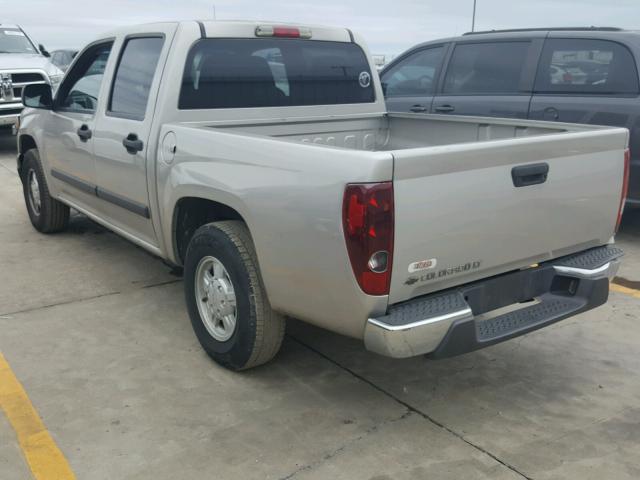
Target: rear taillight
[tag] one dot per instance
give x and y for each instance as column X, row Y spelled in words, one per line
column 625, row 186
column 367, row 218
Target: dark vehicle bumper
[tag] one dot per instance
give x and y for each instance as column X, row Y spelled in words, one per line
column 469, row 317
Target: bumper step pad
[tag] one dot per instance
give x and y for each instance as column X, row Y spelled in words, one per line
column 591, row 259
column 493, row 328
column 420, row 309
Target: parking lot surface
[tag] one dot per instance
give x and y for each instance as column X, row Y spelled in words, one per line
column 97, row 333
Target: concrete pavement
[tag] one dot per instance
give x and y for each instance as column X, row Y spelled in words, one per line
column 96, row 330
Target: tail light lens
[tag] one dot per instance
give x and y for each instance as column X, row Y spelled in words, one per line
column 367, row 218
column 625, row 186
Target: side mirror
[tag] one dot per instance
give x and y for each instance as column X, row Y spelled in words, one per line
column 43, row 50
column 37, row 95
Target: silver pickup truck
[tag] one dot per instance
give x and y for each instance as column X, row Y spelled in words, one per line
column 261, row 159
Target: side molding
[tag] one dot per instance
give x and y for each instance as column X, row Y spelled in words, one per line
column 106, row 195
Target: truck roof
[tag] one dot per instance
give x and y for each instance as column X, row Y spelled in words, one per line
column 9, row 25
column 246, row 29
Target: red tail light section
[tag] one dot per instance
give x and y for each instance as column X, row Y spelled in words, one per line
column 625, row 186
column 368, row 223
column 286, row 32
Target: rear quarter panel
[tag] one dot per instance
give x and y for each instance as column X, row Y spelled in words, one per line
column 290, row 196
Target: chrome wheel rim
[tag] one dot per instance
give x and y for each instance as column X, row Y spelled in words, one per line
column 34, row 192
column 216, row 298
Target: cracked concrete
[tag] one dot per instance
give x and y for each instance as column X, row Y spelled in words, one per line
column 97, row 332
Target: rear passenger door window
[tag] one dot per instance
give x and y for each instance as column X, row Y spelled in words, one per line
column 487, row 78
column 409, row 85
column 486, row 69
column 585, row 66
column 132, row 82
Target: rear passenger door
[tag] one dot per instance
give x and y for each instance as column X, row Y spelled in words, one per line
column 410, row 83
column 488, row 78
column 121, row 137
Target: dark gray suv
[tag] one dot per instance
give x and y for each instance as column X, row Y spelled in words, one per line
column 579, row 75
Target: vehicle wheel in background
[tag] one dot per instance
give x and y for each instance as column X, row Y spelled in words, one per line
column 47, row 214
column 227, row 302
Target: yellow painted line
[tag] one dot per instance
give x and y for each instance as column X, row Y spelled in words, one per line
column 45, row 459
column 626, row 290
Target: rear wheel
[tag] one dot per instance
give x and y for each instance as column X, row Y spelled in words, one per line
column 47, row 214
column 226, row 299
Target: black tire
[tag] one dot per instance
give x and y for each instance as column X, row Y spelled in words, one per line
column 259, row 330
column 53, row 216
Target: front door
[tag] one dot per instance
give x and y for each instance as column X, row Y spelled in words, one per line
column 410, row 83
column 121, row 136
column 68, row 143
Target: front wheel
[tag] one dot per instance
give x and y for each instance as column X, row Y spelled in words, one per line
column 47, row 214
column 226, row 299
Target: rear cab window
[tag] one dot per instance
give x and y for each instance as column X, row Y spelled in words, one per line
column 488, row 68
column 586, row 66
column 249, row 73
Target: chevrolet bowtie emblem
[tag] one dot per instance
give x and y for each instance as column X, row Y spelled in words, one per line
column 6, row 87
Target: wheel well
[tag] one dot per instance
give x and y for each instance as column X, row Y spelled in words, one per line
column 190, row 214
column 26, row 143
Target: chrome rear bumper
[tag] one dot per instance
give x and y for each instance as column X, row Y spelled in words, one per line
column 459, row 320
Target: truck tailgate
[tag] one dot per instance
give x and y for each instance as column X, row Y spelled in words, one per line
column 459, row 215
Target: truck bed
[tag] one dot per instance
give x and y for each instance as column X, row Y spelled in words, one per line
column 457, row 207
column 397, row 131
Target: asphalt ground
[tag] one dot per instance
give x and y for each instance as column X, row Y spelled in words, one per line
column 101, row 377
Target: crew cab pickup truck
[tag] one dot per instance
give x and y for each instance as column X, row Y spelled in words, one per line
column 261, row 159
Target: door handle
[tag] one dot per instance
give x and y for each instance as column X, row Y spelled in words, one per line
column 527, row 175
column 418, row 108
column 84, row 132
column 444, row 109
column 133, row 144
column 551, row 113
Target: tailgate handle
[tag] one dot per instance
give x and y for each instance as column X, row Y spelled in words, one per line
column 527, row 175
